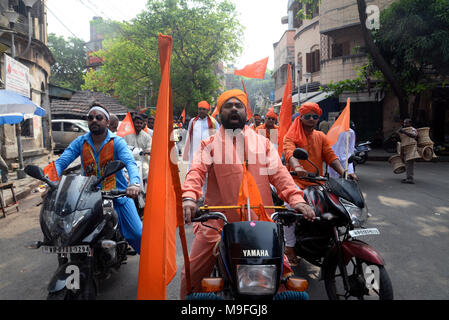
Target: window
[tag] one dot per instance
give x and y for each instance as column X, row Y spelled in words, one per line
column 70, row 127
column 27, row 129
column 313, row 61
column 56, row 126
column 340, row 49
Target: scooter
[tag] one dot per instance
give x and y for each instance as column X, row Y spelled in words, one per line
column 361, row 152
column 80, row 226
column 250, row 259
column 350, row 267
column 138, row 155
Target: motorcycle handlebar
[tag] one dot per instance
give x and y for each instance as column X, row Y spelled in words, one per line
column 310, row 176
column 114, row 193
column 289, row 214
column 199, row 217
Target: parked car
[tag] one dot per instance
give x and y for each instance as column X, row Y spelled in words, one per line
column 67, row 130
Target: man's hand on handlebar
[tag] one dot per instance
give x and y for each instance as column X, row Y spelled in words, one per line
column 353, row 176
column 300, row 172
column 189, row 208
column 132, row 191
column 305, row 209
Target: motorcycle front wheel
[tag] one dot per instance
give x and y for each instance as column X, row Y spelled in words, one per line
column 366, row 281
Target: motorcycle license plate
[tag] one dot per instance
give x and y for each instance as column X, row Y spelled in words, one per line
column 73, row 249
column 363, row 232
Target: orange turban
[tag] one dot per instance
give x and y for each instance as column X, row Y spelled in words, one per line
column 296, row 131
column 236, row 93
column 271, row 114
column 309, row 107
column 203, row 104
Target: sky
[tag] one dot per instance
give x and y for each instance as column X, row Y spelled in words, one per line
column 261, row 19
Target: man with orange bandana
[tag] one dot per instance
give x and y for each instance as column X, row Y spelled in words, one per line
column 96, row 149
column 201, row 127
column 269, row 129
column 222, row 157
column 302, row 134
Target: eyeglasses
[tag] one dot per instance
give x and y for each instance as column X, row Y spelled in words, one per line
column 99, row 117
column 313, row 116
column 274, row 119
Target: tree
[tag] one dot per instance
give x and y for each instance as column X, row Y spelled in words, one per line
column 205, row 33
column 70, row 65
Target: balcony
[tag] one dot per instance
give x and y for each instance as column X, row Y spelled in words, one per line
column 341, row 68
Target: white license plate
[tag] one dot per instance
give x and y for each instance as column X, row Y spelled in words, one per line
column 363, row 232
column 73, row 249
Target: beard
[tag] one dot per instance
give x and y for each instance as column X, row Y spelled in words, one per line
column 96, row 130
column 230, row 122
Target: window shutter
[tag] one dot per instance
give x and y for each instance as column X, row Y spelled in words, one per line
column 308, row 62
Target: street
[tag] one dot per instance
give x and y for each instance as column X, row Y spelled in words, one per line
column 413, row 221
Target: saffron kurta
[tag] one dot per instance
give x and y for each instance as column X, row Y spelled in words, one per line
column 221, row 157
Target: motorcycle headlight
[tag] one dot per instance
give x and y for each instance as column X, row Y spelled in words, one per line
column 256, row 279
column 67, row 223
column 358, row 215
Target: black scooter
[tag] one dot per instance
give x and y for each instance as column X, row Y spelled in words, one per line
column 249, row 265
column 80, row 226
column 361, row 152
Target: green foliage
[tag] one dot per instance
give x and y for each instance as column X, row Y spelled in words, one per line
column 70, row 63
column 205, row 33
column 414, row 38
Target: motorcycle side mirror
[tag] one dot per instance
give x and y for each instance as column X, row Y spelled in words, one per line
column 111, row 168
column 37, row 173
column 301, row 154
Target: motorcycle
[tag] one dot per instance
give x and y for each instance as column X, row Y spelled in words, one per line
column 80, row 226
column 249, row 264
column 349, row 267
column 361, row 152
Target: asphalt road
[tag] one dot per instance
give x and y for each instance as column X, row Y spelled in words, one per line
column 413, row 221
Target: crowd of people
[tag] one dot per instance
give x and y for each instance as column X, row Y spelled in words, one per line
column 211, row 179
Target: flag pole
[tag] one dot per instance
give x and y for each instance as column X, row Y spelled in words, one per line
column 347, row 154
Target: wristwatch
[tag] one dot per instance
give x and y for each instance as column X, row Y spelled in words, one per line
column 135, row 185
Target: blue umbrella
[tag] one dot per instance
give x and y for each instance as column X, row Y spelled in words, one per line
column 14, row 107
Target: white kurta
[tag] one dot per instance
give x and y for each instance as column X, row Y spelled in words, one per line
column 199, row 133
column 142, row 141
column 340, row 150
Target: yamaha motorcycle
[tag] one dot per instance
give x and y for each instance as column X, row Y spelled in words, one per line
column 350, row 267
column 250, row 258
column 80, row 226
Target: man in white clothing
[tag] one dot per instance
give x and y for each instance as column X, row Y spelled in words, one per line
column 201, row 127
column 344, row 151
column 141, row 140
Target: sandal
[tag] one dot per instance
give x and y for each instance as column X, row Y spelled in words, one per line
column 291, row 256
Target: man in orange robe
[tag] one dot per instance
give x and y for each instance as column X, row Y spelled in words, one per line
column 221, row 157
column 302, row 134
column 269, row 125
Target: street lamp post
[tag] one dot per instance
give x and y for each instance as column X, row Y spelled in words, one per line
column 298, row 71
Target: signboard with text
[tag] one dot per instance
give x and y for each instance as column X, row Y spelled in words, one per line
column 17, row 77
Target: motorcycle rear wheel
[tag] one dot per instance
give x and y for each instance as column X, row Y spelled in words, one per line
column 361, row 288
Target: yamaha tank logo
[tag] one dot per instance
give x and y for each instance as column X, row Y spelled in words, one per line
column 255, row 253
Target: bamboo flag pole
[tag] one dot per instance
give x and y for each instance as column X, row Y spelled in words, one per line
column 347, row 154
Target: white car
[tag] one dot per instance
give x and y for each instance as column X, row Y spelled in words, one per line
column 67, row 130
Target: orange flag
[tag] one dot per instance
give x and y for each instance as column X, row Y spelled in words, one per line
column 126, row 127
column 250, row 190
column 249, row 112
column 163, row 212
column 285, row 115
column 183, row 116
column 340, row 125
column 255, row 70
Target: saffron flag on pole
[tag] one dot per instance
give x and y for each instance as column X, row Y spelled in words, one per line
column 126, row 127
column 285, row 114
column 183, row 116
column 163, row 212
column 340, row 125
column 255, row 70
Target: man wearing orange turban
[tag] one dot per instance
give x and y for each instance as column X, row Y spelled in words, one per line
column 220, row 159
column 269, row 129
column 302, row 134
column 201, row 127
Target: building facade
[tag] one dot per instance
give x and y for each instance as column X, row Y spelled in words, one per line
column 28, row 29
